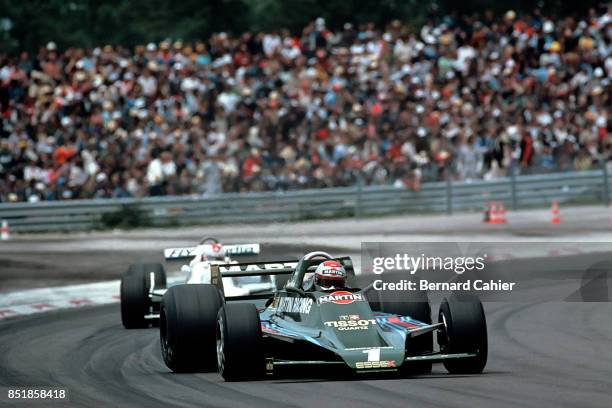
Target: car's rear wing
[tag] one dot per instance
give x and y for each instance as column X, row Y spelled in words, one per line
column 255, row 269
column 275, row 268
column 175, row 254
column 271, row 268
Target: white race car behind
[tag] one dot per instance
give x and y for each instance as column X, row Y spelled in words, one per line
column 144, row 284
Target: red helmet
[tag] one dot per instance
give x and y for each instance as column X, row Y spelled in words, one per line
column 330, row 275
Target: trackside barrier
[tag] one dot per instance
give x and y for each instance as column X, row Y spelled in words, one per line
column 447, row 196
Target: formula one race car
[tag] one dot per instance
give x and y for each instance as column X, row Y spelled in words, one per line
column 143, row 285
column 201, row 328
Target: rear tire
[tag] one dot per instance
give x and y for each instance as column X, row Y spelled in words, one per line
column 134, row 293
column 240, row 354
column 188, row 317
column 465, row 332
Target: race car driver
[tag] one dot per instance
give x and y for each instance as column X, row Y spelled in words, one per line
column 330, row 275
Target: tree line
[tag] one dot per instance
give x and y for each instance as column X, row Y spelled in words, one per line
column 29, row 24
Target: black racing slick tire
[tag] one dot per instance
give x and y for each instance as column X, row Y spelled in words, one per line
column 465, row 332
column 240, row 354
column 134, row 301
column 134, row 293
column 146, row 268
column 187, row 323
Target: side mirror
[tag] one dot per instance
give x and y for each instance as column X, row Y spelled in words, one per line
column 186, row 269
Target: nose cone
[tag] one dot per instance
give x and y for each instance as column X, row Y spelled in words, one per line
column 348, row 321
column 373, row 359
column 358, row 339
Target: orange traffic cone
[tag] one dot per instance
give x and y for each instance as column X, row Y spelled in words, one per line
column 4, row 231
column 501, row 215
column 493, row 216
column 556, row 218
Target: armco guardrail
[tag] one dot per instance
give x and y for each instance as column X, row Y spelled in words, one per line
column 515, row 192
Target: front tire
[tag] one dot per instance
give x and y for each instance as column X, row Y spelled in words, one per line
column 134, row 293
column 188, row 317
column 240, row 354
column 147, row 268
column 465, row 332
column 134, row 301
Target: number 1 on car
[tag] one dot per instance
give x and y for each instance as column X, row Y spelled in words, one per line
column 373, row 354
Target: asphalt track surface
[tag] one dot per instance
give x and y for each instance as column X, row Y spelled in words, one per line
column 548, row 354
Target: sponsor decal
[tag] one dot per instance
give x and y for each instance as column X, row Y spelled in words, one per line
column 332, row 274
column 178, row 252
column 349, row 317
column 292, row 305
column 215, row 249
column 257, row 268
column 375, row 364
column 341, row 297
column 246, row 249
column 362, row 324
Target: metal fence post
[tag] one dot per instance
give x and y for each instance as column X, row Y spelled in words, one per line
column 449, row 194
column 358, row 201
column 606, row 185
column 513, row 187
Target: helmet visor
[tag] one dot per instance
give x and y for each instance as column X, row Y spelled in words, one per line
column 336, row 282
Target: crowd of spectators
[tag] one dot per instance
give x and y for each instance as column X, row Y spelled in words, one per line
column 462, row 97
